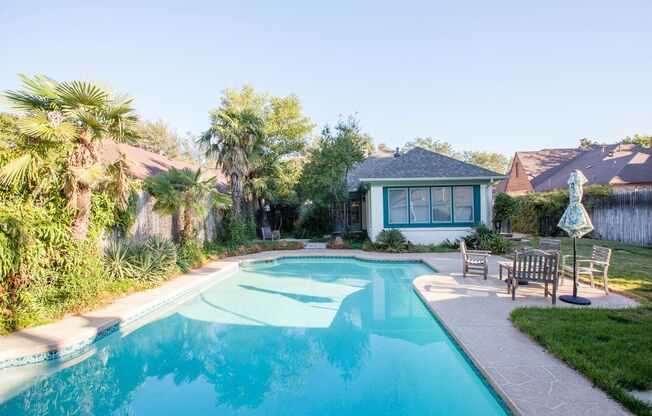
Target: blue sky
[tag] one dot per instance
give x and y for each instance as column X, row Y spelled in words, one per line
column 487, row 75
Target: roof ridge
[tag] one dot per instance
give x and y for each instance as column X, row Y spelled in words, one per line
column 455, row 160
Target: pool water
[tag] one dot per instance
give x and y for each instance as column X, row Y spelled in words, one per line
column 291, row 337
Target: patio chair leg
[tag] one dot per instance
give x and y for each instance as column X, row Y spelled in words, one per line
column 546, row 291
column 604, row 282
column 515, row 283
column 464, row 268
column 592, row 282
column 486, row 270
column 554, row 293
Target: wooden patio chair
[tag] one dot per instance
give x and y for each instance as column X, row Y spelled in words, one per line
column 474, row 260
column 550, row 244
column 267, row 233
column 536, row 266
column 598, row 263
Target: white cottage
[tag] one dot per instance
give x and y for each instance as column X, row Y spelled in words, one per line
column 428, row 196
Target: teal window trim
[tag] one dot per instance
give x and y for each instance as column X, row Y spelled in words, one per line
column 431, row 224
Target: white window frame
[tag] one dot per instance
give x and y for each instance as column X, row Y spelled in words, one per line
column 411, row 205
column 407, row 205
column 450, row 204
column 472, row 203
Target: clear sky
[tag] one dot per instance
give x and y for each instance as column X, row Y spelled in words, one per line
column 486, row 75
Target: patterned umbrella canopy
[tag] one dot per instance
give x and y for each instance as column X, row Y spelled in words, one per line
column 575, row 221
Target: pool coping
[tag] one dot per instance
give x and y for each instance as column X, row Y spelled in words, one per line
column 81, row 339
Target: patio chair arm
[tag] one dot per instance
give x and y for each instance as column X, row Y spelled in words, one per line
column 599, row 262
column 480, row 252
column 570, row 256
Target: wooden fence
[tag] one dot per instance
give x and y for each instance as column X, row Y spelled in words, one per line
column 625, row 217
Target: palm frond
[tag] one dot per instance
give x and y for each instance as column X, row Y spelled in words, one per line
column 221, row 200
column 80, row 93
column 89, row 176
column 38, row 125
column 19, row 170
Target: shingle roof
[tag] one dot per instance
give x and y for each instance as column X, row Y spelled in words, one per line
column 417, row 163
column 612, row 164
column 535, row 163
column 143, row 164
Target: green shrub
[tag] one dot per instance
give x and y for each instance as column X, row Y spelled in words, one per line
column 250, row 228
column 538, row 213
column 391, row 240
column 235, row 229
column 315, row 220
column 504, row 209
column 190, row 254
column 484, row 238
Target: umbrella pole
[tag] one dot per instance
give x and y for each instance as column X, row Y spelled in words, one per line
column 574, row 267
column 574, row 299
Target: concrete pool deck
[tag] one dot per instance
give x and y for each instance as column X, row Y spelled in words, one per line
column 475, row 312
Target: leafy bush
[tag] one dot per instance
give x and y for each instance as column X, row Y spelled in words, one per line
column 538, row 213
column 235, row 229
column 315, row 220
column 190, row 254
column 391, row 240
column 484, row 238
column 250, row 228
column 504, row 209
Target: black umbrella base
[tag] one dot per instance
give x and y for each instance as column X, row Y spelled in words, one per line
column 575, row 300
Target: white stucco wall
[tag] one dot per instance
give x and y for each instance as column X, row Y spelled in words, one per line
column 375, row 218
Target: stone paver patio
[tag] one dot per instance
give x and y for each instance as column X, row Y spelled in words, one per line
column 474, row 311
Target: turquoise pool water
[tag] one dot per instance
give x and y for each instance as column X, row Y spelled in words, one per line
column 292, row 337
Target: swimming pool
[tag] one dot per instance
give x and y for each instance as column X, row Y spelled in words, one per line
column 296, row 336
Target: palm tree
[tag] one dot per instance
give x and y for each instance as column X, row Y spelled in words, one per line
column 235, row 139
column 67, row 121
column 184, row 189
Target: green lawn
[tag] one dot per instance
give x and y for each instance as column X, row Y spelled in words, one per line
column 613, row 348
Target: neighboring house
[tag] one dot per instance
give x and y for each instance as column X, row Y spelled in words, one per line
column 143, row 164
column 624, row 167
column 428, row 196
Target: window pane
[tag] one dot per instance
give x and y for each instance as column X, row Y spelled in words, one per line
column 419, row 203
column 441, row 204
column 463, row 197
column 398, row 206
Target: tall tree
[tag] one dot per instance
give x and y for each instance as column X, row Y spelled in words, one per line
column 495, row 162
column 432, row 144
column 158, row 138
column 184, row 190
column 284, row 132
column 235, row 141
column 323, row 179
column 69, row 120
column 640, row 140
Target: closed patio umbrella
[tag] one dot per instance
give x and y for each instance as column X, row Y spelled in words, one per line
column 576, row 223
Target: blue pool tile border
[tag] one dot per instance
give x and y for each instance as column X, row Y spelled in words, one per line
column 468, row 360
column 75, row 350
column 245, row 263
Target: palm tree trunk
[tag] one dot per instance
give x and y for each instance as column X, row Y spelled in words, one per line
column 236, row 195
column 79, row 194
column 82, row 219
column 188, row 224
